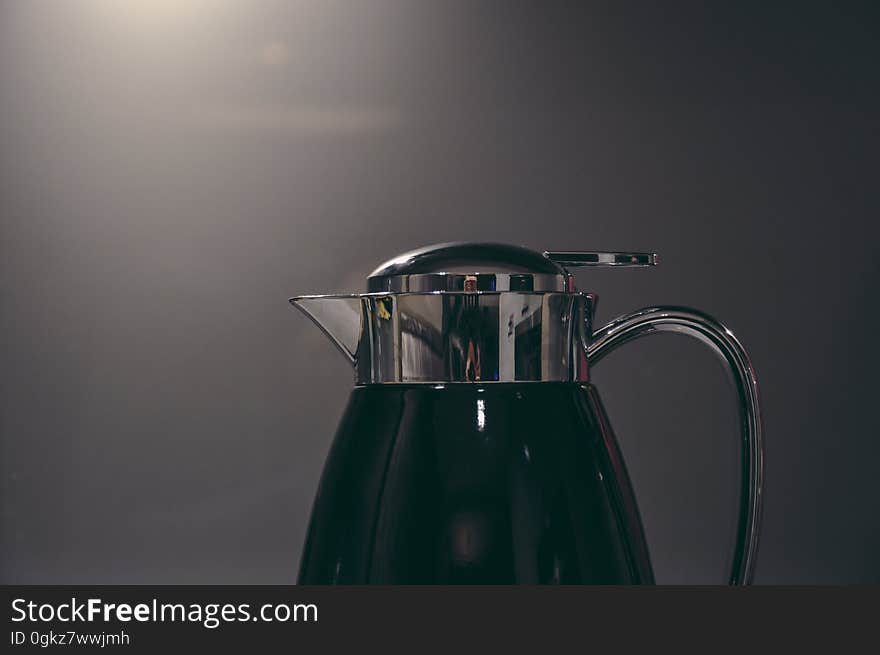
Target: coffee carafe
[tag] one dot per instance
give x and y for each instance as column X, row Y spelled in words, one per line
column 474, row 449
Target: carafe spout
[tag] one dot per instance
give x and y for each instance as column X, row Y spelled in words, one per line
column 339, row 317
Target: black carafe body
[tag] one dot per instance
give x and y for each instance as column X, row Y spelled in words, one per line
column 475, row 484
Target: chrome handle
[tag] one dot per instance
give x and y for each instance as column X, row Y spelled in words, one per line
column 722, row 341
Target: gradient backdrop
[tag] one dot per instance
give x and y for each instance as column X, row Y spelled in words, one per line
column 171, row 171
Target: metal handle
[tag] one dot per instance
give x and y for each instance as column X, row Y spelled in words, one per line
column 722, row 341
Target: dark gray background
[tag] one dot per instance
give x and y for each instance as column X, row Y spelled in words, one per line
column 172, row 171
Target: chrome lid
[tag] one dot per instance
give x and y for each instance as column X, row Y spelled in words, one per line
column 467, row 266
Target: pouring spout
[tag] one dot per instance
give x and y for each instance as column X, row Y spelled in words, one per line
column 339, row 317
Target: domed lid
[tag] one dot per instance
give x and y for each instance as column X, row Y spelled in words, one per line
column 489, row 267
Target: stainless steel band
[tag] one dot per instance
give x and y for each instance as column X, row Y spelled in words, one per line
column 430, row 282
column 448, row 337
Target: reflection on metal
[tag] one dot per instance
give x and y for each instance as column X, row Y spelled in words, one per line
column 454, row 337
column 481, row 415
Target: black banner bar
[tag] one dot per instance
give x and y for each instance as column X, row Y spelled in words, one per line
column 149, row 619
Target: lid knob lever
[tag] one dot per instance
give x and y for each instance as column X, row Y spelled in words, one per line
column 583, row 258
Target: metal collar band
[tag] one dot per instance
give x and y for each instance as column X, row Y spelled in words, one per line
column 470, row 337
